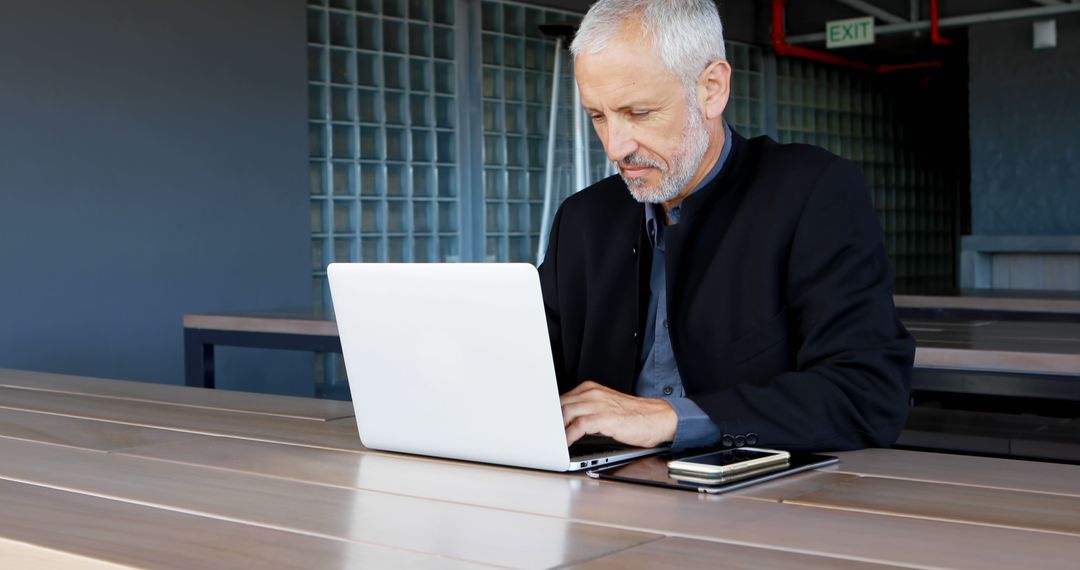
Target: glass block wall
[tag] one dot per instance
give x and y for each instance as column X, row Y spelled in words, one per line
column 516, row 74
column 383, row 138
column 383, row 108
column 517, row 68
column 382, row 85
column 746, row 106
column 390, row 95
column 856, row 118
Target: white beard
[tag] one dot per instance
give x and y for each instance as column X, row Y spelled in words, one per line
column 692, row 147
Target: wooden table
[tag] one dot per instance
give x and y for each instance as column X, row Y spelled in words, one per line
column 1004, row 352
column 1005, row 358
column 308, row 330
column 992, row 304
column 100, row 473
column 983, row 357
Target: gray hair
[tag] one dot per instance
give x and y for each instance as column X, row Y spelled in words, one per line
column 686, row 34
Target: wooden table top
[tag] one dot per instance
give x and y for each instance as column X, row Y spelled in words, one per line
column 996, row 300
column 998, row 346
column 315, row 322
column 104, row 473
column 971, row 345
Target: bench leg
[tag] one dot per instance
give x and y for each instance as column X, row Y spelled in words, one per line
column 198, row 360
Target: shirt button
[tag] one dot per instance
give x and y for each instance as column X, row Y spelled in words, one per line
column 633, row 251
column 665, row 323
column 635, row 334
column 668, row 390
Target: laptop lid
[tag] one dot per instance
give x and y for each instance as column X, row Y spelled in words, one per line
column 450, row 360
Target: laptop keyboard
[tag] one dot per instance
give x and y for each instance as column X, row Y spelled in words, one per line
column 595, row 445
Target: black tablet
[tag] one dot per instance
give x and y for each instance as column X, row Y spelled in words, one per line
column 654, row 471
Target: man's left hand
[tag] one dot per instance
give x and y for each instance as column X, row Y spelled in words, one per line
column 591, row 408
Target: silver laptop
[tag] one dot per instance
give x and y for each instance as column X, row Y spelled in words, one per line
column 453, row 360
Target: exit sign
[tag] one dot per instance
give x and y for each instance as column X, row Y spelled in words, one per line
column 852, row 32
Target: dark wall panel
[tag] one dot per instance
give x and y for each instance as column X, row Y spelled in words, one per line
column 152, row 163
column 1025, row 130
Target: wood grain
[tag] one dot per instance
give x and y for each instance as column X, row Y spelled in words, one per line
column 112, row 532
column 794, row 486
column 751, row 521
column 465, row 532
column 335, row 434
column 962, row 470
column 278, row 474
column 282, row 322
column 14, row 554
column 687, row 554
column 988, row 360
column 84, row 434
column 956, row 503
column 301, row 408
column 1028, row 302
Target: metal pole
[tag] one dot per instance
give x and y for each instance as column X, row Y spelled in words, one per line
column 579, row 146
column 549, row 166
column 584, row 134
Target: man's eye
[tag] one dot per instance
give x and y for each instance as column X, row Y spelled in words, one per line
column 640, row 113
column 596, row 118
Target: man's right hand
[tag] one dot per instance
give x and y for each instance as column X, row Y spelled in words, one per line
column 592, row 408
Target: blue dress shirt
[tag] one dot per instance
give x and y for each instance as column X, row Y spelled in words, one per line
column 659, row 376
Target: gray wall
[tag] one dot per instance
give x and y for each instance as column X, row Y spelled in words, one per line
column 152, row 163
column 1025, row 130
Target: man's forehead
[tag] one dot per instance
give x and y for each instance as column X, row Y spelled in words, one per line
column 623, row 75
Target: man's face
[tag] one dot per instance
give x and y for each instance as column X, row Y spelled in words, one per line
column 641, row 113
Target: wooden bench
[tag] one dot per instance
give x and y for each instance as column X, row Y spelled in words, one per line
column 991, row 304
column 990, row 433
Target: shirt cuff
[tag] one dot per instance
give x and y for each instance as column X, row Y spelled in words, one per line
column 695, row 429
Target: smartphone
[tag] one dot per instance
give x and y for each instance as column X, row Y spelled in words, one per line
column 712, row 480
column 727, row 462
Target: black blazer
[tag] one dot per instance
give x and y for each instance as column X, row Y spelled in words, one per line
column 779, row 297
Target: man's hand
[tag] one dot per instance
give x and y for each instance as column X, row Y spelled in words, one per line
column 594, row 409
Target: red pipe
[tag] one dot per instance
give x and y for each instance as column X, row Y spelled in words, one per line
column 782, row 48
column 935, row 30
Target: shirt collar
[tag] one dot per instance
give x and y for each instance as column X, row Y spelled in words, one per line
column 653, row 212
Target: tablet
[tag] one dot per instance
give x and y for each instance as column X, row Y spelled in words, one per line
column 654, row 471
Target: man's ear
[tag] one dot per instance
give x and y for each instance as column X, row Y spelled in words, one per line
column 714, row 88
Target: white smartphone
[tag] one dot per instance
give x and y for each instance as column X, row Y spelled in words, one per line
column 727, row 462
column 711, row 480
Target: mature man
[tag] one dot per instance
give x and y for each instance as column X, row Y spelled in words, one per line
column 719, row 290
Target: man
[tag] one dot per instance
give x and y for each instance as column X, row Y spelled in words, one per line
column 719, row 291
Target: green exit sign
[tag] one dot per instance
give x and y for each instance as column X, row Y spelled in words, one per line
column 852, row 32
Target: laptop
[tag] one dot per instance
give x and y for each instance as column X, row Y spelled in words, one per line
column 453, row 360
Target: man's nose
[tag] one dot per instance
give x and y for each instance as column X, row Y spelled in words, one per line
column 620, row 141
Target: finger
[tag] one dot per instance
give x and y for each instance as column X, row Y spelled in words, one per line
column 573, row 433
column 574, row 411
column 599, row 423
column 586, row 396
column 579, row 428
column 594, row 393
column 586, row 385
